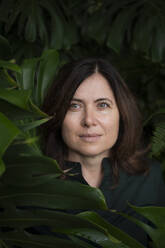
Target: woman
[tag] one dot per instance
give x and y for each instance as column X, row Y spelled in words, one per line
column 96, row 134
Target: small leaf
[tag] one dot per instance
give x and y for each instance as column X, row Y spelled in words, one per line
column 33, row 124
column 8, row 132
column 10, row 66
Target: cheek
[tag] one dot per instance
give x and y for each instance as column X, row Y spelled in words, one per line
column 112, row 124
column 68, row 128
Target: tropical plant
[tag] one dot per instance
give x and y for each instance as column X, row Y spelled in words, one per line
column 130, row 33
column 31, row 192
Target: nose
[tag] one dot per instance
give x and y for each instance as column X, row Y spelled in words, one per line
column 89, row 118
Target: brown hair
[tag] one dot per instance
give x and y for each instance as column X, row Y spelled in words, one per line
column 127, row 153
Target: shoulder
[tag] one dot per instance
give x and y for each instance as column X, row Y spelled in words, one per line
column 145, row 189
column 155, row 168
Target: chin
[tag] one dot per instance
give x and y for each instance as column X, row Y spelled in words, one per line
column 93, row 153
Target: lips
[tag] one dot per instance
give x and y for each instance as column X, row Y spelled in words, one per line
column 90, row 137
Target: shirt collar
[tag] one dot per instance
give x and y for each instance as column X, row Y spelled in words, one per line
column 75, row 172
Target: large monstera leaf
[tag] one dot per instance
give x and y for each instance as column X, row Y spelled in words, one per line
column 136, row 24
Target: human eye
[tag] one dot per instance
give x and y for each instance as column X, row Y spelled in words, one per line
column 74, row 106
column 103, row 105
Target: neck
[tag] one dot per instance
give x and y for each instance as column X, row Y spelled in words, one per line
column 91, row 169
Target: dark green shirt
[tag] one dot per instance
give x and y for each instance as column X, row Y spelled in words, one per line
column 139, row 190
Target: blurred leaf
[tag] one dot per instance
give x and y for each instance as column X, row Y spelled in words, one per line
column 8, row 132
column 19, row 98
column 33, row 124
column 55, row 194
column 59, row 222
column 57, row 35
column 31, row 24
column 70, row 37
column 47, row 71
column 5, row 49
column 33, row 170
column 36, row 110
column 97, row 32
column 115, row 234
column 5, row 7
column 2, row 167
column 120, row 26
column 17, row 114
column 157, row 216
column 141, row 38
column 27, row 77
column 158, row 139
column 10, row 66
column 80, row 242
column 158, row 44
column 24, row 239
column 18, row 149
column 158, row 112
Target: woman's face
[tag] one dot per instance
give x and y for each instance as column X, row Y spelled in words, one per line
column 91, row 124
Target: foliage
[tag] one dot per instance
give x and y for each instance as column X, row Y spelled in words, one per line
column 129, row 33
column 31, row 191
column 108, row 28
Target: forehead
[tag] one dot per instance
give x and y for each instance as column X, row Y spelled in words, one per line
column 94, row 86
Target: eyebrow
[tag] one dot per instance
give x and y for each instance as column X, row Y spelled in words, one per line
column 97, row 100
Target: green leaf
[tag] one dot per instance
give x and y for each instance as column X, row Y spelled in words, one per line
column 142, row 34
column 71, row 37
column 23, row 239
column 159, row 111
column 57, row 35
column 27, row 79
column 5, row 49
column 17, row 114
column 31, row 28
column 36, row 110
column 19, row 98
column 158, row 139
column 33, row 170
column 120, row 25
column 19, row 149
column 33, row 124
column 158, row 44
column 80, row 242
column 2, row 167
column 57, row 221
column 8, row 132
column 10, row 66
column 55, row 194
column 157, row 216
column 47, row 71
column 115, row 234
column 97, row 32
